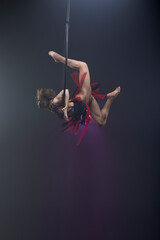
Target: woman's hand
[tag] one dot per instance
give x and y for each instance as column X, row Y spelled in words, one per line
column 65, row 113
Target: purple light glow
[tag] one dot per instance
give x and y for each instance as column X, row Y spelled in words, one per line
column 89, row 175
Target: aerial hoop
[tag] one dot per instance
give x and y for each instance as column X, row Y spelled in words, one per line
column 66, row 46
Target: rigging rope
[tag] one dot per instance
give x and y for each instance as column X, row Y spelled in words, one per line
column 66, row 47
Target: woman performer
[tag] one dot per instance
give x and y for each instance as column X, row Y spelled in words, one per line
column 78, row 109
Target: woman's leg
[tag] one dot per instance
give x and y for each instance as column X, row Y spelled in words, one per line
column 70, row 63
column 100, row 115
column 82, row 67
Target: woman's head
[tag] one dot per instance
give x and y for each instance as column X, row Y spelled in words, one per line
column 44, row 96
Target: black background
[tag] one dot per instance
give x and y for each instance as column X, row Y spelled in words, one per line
column 108, row 187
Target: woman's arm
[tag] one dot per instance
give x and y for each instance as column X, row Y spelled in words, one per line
column 59, row 98
column 66, row 97
column 66, row 104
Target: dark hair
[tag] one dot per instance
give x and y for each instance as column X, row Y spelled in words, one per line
column 44, row 96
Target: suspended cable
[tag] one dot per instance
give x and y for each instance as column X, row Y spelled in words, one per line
column 66, row 46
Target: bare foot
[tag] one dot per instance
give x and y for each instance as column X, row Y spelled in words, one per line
column 114, row 94
column 53, row 55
